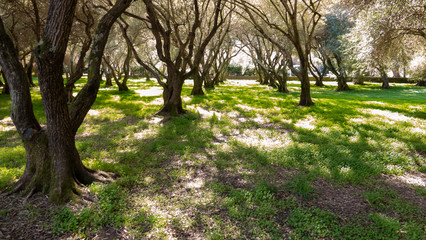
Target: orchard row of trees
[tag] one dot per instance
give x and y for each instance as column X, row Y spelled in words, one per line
column 172, row 41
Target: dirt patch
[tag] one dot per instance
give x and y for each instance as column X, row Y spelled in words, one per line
column 420, row 154
column 109, row 233
column 24, row 220
column 277, row 127
column 235, row 180
column 345, row 201
column 405, row 190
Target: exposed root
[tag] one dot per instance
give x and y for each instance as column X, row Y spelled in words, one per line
column 104, row 177
column 19, row 186
column 76, row 191
column 33, row 190
column 89, row 199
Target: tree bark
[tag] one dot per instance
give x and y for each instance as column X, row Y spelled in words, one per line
column 385, row 79
column 172, row 96
column 339, row 72
column 37, row 170
column 126, row 68
column 121, row 85
column 282, row 85
column 198, row 84
column 108, row 79
column 341, row 84
column 53, row 164
column 305, row 93
column 66, row 162
column 421, row 83
column 318, row 74
column 187, row 56
column 29, row 70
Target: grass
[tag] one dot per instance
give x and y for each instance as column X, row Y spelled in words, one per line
column 245, row 163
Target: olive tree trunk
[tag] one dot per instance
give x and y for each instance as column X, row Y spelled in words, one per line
column 302, row 75
column 385, row 79
column 172, row 96
column 53, row 165
column 198, row 84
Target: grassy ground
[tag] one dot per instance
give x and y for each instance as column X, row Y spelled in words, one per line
column 246, row 163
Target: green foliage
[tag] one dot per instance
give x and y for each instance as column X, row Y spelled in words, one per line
column 313, row 223
column 255, row 209
column 301, row 185
column 139, row 223
column 249, row 71
column 110, row 210
column 235, row 70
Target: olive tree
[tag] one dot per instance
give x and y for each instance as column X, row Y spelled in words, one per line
column 293, row 20
column 53, row 165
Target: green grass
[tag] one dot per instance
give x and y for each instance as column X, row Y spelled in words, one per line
column 244, row 163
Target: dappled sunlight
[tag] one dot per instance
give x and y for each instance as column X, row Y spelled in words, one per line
column 307, row 123
column 358, row 120
column 242, row 83
column 186, row 99
column 195, row 183
column 415, row 107
column 396, row 145
column 140, row 80
column 417, row 180
column 390, row 117
column 176, row 197
column 153, row 91
column 6, row 124
column 376, row 102
column 259, row 119
column 246, row 108
column 263, row 138
column 205, row 113
column 419, row 130
column 115, row 98
column 155, row 120
column 157, row 101
column 394, row 169
column 243, row 157
column 109, row 114
column 388, row 114
column 93, row 112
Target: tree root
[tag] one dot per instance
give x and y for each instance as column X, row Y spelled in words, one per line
column 31, row 193
column 104, row 177
column 19, row 186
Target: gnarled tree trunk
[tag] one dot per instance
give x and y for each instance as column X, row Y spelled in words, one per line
column 317, row 73
column 198, row 84
column 106, row 71
column 172, row 96
column 53, row 164
column 29, row 70
column 305, row 93
column 339, row 72
column 341, row 84
column 385, row 79
column 421, row 83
